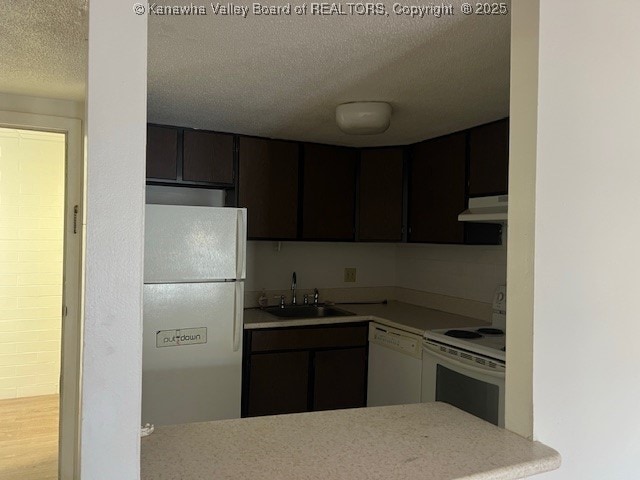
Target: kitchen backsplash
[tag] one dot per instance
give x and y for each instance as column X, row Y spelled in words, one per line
column 318, row 264
column 462, row 271
column 457, row 278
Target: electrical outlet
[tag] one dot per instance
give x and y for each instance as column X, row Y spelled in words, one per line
column 350, row 274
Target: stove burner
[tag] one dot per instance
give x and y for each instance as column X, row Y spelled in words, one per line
column 462, row 334
column 490, row 331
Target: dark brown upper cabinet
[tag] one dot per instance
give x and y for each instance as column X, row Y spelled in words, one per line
column 329, row 184
column 268, row 187
column 380, row 202
column 208, row 157
column 489, row 159
column 162, row 152
column 437, row 190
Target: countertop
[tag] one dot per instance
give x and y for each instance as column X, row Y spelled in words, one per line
column 405, row 316
column 424, row 441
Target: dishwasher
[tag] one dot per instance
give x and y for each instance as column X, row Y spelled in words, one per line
column 395, row 366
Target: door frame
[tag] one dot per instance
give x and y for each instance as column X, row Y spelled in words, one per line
column 72, row 307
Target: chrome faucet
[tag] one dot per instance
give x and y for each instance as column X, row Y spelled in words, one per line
column 293, row 289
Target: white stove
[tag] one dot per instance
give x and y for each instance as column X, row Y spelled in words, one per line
column 487, row 341
column 465, row 367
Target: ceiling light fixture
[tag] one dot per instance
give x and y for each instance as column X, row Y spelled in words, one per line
column 363, row 118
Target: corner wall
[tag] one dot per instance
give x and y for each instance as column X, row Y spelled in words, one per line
column 115, row 172
column 522, row 216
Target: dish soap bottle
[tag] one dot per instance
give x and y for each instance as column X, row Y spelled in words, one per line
column 263, row 301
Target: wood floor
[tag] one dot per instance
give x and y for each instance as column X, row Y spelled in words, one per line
column 29, row 438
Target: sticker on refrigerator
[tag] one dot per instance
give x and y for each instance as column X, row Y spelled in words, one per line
column 184, row 336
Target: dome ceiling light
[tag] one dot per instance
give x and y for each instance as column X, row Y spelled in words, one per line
column 363, row 118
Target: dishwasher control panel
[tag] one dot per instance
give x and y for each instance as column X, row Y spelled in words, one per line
column 404, row 342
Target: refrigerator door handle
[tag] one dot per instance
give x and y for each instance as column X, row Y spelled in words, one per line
column 238, row 313
column 241, row 235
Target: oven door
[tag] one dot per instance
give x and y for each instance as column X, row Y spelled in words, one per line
column 463, row 383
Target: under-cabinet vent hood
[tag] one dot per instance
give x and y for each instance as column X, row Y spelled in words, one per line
column 486, row 209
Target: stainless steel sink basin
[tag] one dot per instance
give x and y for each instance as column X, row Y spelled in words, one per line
column 307, row 311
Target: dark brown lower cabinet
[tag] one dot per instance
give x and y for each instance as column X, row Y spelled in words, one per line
column 299, row 369
column 278, row 383
column 339, row 381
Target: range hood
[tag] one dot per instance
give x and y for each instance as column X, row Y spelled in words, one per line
column 486, row 209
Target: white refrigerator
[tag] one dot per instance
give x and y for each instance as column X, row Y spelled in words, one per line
column 194, row 271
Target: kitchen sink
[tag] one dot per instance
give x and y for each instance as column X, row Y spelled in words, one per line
column 307, row 311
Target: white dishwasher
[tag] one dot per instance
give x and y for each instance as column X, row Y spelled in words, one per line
column 395, row 366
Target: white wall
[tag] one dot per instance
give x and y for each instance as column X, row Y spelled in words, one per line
column 586, row 374
column 32, row 185
column 463, row 271
column 318, row 265
column 116, row 136
column 41, row 106
column 201, row 197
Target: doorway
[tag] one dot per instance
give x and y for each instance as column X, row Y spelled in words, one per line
column 32, row 165
column 40, row 258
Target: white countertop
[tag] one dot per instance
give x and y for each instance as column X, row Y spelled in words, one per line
column 405, row 316
column 426, row 441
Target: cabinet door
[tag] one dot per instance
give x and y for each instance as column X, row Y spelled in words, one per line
column 208, row 157
column 162, row 152
column 489, row 159
column 437, row 190
column 268, row 181
column 329, row 192
column 278, row 383
column 380, row 205
column 340, row 379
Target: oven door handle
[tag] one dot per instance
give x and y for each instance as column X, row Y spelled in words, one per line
column 458, row 363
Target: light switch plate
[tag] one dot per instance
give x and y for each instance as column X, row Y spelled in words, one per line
column 180, row 337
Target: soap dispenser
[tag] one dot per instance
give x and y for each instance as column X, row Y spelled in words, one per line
column 263, row 301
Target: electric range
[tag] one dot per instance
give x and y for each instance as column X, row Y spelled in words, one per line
column 489, row 341
column 466, row 368
column 486, row 341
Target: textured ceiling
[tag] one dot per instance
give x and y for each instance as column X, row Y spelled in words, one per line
column 283, row 76
column 280, row 76
column 44, row 49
